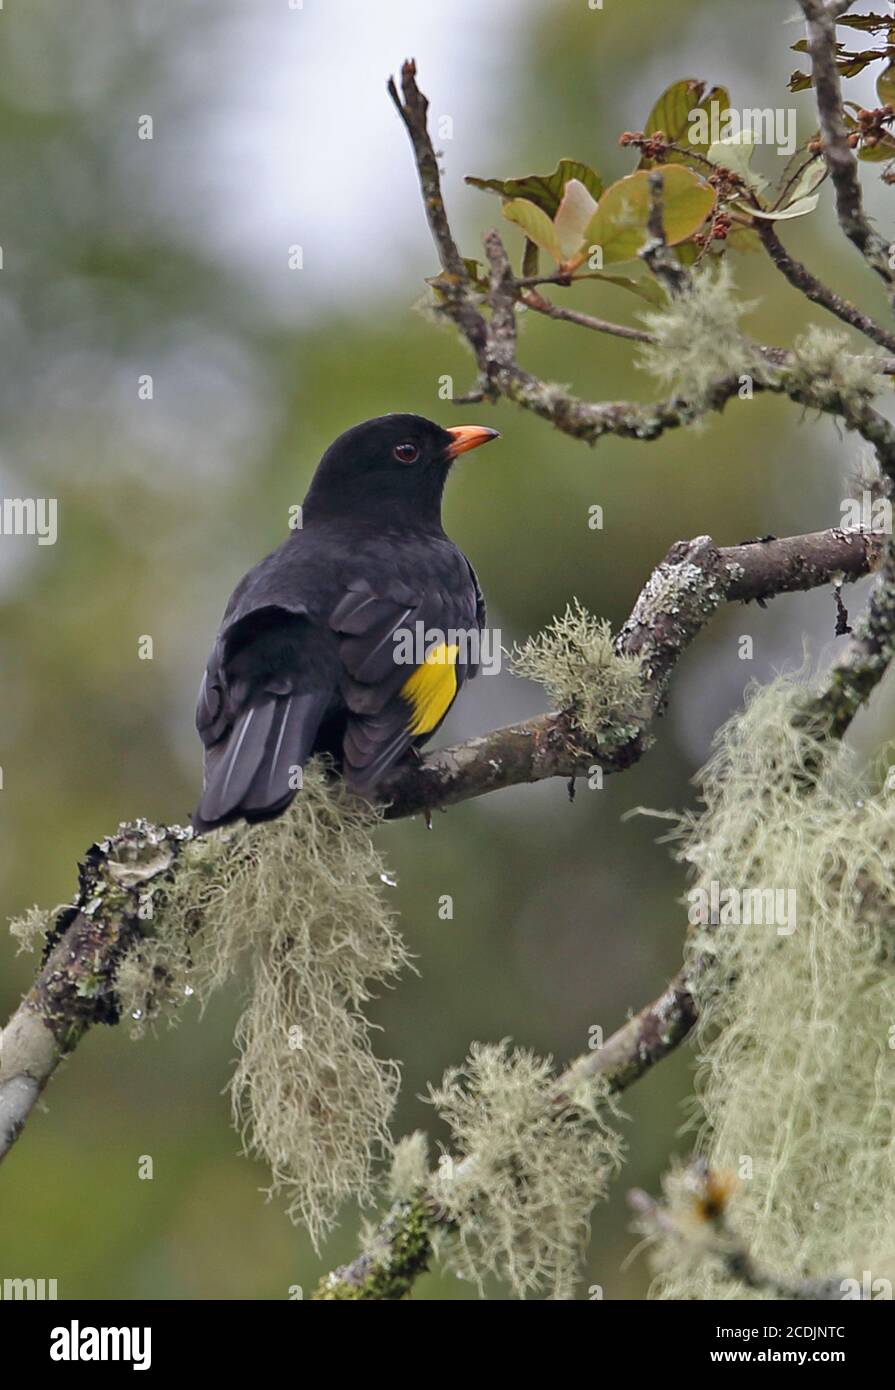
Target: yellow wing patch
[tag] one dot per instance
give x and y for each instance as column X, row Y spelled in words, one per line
column 431, row 689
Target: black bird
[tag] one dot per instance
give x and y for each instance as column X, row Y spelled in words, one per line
column 306, row 659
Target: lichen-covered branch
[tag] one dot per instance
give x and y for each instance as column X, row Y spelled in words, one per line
column 678, row 599
column 859, row 670
column 401, row 1247
column 75, row 986
column 636, row 1047
column 665, row 266
column 697, row 1222
column 399, row 1252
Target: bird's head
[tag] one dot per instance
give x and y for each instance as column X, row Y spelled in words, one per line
column 390, row 470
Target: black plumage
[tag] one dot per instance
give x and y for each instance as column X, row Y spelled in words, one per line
column 305, row 660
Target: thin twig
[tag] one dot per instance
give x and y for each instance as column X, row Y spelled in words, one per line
column 455, row 284
column 801, row 279
column 532, row 300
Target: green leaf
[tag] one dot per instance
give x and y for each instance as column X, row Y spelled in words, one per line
column 811, row 176
column 536, row 225
column 800, row 208
column 735, row 153
column 619, row 224
column 850, row 67
column 687, row 254
column 885, row 86
column 671, row 115
column 544, row 190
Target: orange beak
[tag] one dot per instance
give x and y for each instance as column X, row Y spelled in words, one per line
column 468, row 437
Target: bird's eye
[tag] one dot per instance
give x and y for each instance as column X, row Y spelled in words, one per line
column 406, row 453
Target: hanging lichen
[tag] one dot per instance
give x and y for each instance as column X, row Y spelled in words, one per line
column 301, row 899
column 796, row 1040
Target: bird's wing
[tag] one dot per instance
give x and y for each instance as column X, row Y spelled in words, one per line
column 261, row 702
column 395, row 698
column 481, row 613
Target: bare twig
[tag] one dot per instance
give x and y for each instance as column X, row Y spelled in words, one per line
column 801, row 279
column 455, row 283
column 536, row 301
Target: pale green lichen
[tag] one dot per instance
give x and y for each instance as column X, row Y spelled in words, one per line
column 31, row 927
column 825, row 358
column 409, row 1167
column 685, row 1238
column 300, row 899
column 796, row 1076
column 698, row 340
column 576, row 662
column 524, row 1173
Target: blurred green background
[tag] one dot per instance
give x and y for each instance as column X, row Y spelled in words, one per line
column 121, row 256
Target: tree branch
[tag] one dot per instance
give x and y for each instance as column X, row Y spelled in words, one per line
column 402, row 1244
column 532, row 300
column 859, row 670
column 494, row 343
column 455, row 283
column 705, row 1227
column 75, row 986
column 666, row 267
column 801, row 279
column 838, row 154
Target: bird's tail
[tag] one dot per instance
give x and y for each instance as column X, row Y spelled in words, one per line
column 255, row 770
